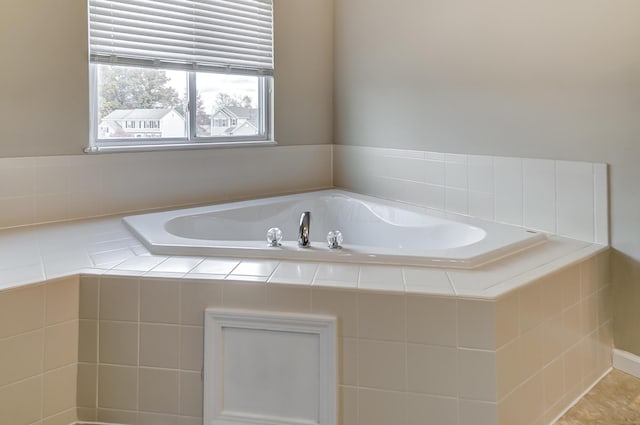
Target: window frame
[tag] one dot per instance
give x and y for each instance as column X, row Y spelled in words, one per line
column 264, row 137
column 223, row 37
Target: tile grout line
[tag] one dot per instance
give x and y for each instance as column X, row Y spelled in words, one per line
column 138, row 283
column 44, row 348
column 180, row 342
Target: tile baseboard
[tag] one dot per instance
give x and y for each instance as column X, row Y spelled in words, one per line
column 626, row 362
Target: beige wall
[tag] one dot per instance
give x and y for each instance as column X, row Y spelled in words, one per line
column 303, row 71
column 44, row 76
column 541, row 79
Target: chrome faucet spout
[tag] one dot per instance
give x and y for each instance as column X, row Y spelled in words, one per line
column 303, row 233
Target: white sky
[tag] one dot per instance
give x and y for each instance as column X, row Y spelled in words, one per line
column 209, row 85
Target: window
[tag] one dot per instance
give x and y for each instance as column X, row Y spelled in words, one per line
column 176, row 73
column 220, row 122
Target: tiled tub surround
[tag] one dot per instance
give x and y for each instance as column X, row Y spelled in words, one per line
column 514, row 342
column 39, row 353
column 56, row 188
column 566, row 198
column 405, row 357
column 105, row 246
column 559, row 197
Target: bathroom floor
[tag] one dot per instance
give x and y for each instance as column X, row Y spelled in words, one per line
column 614, row 401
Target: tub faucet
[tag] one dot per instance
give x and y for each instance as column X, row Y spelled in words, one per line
column 303, row 233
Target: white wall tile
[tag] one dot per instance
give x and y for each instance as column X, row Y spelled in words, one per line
column 425, row 409
column 601, row 195
column 403, row 168
column 431, row 320
column 23, row 273
column 59, row 390
column 75, row 187
column 477, row 375
column 255, row 268
column 434, row 172
column 399, row 153
column 381, row 407
column 18, row 210
column 481, row 205
column 522, row 192
column 476, row 324
column 456, row 201
column 455, row 158
column 481, row 173
column 430, row 280
column 381, row 316
column 294, row 272
column 432, row 370
column 141, row 264
column 84, row 204
column 51, row 207
column 371, row 355
column 54, row 177
column 381, row 277
column 456, row 175
column 216, row 266
column 71, row 187
column 477, row 412
column 348, row 168
column 83, row 174
column 412, row 192
column 434, row 156
column 508, row 190
column 337, row 272
column 15, row 179
column 159, row 390
column 434, row 196
column 380, row 274
column 178, row 264
column 539, row 177
column 575, row 200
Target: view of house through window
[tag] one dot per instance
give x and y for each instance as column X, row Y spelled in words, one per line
column 141, row 103
column 227, row 112
column 150, row 103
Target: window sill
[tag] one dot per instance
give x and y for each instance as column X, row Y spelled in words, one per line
column 175, row 146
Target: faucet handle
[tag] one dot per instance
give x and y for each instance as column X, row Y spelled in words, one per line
column 335, row 239
column 274, row 236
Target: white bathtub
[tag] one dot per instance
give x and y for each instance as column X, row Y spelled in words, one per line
column 374, row 230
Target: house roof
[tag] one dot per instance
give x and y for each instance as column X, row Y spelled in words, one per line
column 137, row 114
column 250, row 114
column 229, row 131
column 241, row 112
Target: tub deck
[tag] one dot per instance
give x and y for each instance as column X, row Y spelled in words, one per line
column 476, row 323
column 105, row 246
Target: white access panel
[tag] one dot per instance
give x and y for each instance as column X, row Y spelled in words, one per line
column 265, row 368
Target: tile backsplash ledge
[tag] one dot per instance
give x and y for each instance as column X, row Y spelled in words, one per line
column 566, row 198
column 559, row 197
column 58, row 188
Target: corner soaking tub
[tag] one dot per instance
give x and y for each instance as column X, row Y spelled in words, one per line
column 374, row 231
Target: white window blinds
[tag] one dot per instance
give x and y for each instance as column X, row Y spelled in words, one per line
column 215, row 35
